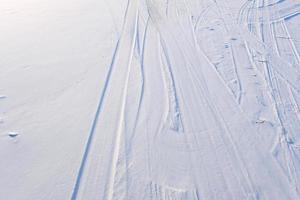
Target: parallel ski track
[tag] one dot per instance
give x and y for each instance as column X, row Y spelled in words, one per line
column 272, row 82
column 97, row 115
column 93, row 127
column 202, row 86
column 118, row 139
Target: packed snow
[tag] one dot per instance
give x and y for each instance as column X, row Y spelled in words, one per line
column 150, row 99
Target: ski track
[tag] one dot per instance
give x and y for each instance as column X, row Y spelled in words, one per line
column 281, row 101
column 182, row 116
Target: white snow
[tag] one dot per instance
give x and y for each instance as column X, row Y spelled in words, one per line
column 150, row 99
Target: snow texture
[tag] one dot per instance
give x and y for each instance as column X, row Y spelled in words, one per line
column 150, row 100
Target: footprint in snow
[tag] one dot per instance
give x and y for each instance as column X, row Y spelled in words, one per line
column 13, row 134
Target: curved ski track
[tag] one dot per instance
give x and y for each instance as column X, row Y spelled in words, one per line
column 201, row 101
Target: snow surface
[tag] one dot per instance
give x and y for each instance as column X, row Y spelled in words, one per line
column 150, row 99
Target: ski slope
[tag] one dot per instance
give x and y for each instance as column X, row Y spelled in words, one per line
column 150, row 99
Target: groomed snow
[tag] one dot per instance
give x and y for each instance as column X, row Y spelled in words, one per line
column 149, row 99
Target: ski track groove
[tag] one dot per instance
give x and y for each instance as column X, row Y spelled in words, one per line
column 173, row 98
column 233, row 145
column 240, row 88
column 97, row 115
column 93, row 127
column 142, row 75
column 181, row 121
column 116, row 148
column 172, row 80
column 278, row 102
column 294, row 50
column 217, row 118
column 211, row 139
column 167, row 57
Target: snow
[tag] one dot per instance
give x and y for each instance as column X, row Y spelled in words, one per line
column 150, row 99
